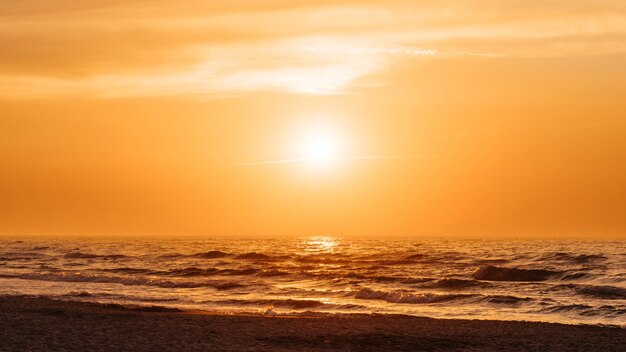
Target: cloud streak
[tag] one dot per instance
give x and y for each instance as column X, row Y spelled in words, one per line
column 362, row 157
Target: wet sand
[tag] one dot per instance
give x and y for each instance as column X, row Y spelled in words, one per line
column 40, row 324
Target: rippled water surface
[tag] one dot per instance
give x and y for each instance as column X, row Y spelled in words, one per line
column 559, row 281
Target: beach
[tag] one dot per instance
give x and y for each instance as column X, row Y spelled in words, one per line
column 43, row 324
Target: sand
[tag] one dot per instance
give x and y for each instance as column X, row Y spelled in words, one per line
column 40, row 324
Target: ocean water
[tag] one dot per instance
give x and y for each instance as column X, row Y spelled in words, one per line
column 555, row 281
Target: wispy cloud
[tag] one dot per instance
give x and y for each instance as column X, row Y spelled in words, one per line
column 201, row 48
column 359, row 157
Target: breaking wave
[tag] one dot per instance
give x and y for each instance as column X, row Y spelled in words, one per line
column 586, row 310
column 410, row 298
column 298, row 304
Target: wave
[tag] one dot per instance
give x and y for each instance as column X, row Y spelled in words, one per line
column 586, row 310
column 99, row 296
column 171, row 256
column 398, row 262
column 211, row 255
column 566, row 308
column 297, row 304
column 11, row 256
column 619, row 278
column 117, row 297
column 415, row 280
column 194, row 271
column 183, row 272
column 128, row 270
column 422, row 258
column 576, row 276
column 572, row 258
column 221, row 286
column 492, row 261
column 253, row 256
column 601, row 292
column 15, row 266
column 426, row 298
column 505, row 299
column 85, row 294
column 81, row 255
column 415, row 256
column 409, row 298
column 322, row 259
column 16, row 258
column 353, row 277
column 286, row 303
column 495, row 273
column 151, row 299
column 456, row 284
column 271, row 273
column 128, row 281
column 361, row 260
column 604, row 292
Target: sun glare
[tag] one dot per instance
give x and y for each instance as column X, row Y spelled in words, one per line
column 319, row 244
column 320, row 149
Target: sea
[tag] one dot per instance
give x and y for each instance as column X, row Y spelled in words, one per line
column 574, row 282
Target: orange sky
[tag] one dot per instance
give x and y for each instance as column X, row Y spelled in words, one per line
column 480, row 119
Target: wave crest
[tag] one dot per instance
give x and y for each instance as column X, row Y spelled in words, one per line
column 253, row 256
column 604, row 292
column 211, row 255
column 572, row 258
column 496, row 273
column 81, row 255
column 128, row 281
column 456, row 284
column 410, row 298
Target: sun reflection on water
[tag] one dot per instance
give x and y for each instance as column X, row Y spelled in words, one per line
column 320, row 244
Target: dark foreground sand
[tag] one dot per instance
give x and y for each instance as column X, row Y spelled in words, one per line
column 39, row 324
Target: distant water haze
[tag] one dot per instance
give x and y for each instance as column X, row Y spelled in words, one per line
column 555, row 281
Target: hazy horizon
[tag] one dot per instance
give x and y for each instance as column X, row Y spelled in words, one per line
column 271, row 237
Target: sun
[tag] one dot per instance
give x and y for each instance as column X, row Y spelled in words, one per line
column 315, row 147
column 318, row 145
column 320, row 149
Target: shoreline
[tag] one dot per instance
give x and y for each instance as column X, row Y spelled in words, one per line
column 42, row 324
